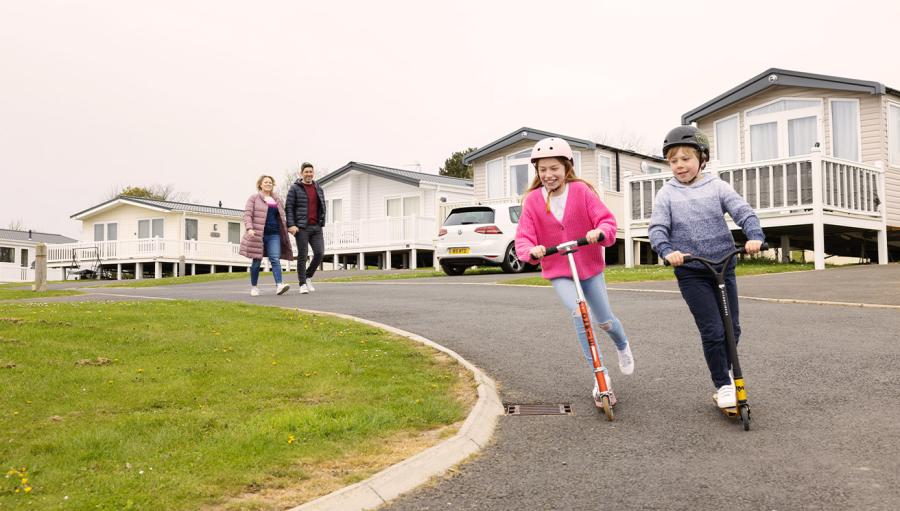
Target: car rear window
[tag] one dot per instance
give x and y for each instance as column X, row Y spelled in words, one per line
column 471, row 215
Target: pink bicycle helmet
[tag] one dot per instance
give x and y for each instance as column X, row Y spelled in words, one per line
column 550, row 147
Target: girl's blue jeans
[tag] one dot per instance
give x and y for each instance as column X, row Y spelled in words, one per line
column 272, row 242
column 595, row 293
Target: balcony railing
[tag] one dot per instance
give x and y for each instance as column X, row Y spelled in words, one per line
column 379, row 232
column 216, row 252
column 781, row 186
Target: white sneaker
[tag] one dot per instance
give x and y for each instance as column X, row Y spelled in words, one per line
column 304, row 289
column 309, row 285
column 254, row 291
column 725, row 397
column 281, row 288
column 626, row 360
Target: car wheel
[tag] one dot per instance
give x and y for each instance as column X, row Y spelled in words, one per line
column 511, row 263
column 453, row 269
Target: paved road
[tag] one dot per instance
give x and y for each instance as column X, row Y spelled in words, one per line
column 821, row 381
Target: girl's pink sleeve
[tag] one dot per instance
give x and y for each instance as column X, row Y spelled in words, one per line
column 526, row 233
column 601, row 217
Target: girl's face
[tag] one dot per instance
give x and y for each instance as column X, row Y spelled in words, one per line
column 685, row 166
column 552, row 173
column 267, row 185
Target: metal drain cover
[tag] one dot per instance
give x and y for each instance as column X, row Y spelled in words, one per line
column 538, row 409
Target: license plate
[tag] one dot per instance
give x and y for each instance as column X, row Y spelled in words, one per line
column 458, row 250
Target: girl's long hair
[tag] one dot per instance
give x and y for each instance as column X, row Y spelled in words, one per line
column 570, row 177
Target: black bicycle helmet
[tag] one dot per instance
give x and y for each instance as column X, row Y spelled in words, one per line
column 690, row 136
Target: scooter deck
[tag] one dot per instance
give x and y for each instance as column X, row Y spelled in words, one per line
column 729, row 412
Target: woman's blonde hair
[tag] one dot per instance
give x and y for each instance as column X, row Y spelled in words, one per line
column 260, row 180
column 570, row 176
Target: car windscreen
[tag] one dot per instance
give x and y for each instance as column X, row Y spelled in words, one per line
column 472, row 215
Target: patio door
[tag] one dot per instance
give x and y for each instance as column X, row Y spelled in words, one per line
column 784, row 128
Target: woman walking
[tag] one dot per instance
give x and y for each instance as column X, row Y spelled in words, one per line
column 266, row 233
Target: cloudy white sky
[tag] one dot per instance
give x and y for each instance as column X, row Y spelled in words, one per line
column 206, row 95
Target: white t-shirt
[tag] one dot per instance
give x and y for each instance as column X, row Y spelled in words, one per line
column 557, row 202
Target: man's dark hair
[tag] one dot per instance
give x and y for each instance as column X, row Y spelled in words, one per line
column 305, row 165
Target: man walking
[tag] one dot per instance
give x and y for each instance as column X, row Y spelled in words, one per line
column 305, row 211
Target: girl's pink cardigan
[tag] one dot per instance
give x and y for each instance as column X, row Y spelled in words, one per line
column 584, row 212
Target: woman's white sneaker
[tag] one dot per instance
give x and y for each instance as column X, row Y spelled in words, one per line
column 626, row 360
column 281, row 288
column 254, row 291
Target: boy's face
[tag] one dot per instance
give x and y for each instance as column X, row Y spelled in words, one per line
column 552, row 173
column 685, row 166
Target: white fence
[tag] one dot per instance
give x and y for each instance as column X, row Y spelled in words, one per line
column 379, row 232
column 214, row 252
column 780, row 186
column 11, row 273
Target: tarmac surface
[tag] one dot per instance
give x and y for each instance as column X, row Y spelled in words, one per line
column 821, row 380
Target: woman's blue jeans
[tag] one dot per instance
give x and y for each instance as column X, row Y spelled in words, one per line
column 595, row 293
column 272, row 242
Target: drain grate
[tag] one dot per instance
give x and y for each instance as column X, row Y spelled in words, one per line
column 538, row 409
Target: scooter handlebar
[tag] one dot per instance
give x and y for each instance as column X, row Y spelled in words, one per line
column 737, row 250
column 580, row 242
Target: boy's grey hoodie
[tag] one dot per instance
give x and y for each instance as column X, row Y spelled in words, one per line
column 691, row 218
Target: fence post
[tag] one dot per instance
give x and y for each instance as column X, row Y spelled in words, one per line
column 882, row 231
column 818, row 215
column 40, row 268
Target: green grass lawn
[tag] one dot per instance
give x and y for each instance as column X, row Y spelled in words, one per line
column 409, row 274
column 642, row 273
column 182, row 405
column 187, row 279
column 20, row 291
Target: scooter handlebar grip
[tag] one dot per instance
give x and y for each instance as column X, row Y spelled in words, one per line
column 583, row 241
column 551, row 251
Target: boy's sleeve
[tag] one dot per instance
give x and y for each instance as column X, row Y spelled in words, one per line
column 660, row 224
column 740, row 212
column 526, row 234
column 601, row 218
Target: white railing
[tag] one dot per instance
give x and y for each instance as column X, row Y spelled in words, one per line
column 155, row 248
column 780, row 186
column 379, row 232
column 11, row 273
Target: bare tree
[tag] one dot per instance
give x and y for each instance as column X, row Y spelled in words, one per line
column 628, row 140
column 16, row 225
column 156, row 191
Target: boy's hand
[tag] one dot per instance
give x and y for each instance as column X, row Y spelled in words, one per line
column 593, row 236
column 752, row 246
column 537, row 251
column 676, row 258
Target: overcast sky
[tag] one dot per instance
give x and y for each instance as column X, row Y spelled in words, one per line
column 207, row 95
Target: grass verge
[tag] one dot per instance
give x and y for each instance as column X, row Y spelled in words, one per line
column 411, row 274
column 187, row 405
column 188, row 279
column 644, row 273
column 7, row 293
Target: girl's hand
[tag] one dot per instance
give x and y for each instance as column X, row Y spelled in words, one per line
column 752, row 246
column 538, row 251
column 593, row 236
column 251, row 232
column 676, row 258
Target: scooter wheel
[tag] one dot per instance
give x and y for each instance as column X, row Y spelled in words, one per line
column 607, row 408
column 745, row 417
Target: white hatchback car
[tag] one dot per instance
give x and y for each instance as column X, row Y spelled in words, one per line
column 477, row 236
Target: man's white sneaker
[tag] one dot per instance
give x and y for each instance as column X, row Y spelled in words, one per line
column 281, row 288
column 725, row 397
column 254, row 291
column 626, row 360
column 304, row 289
column 310, row 286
